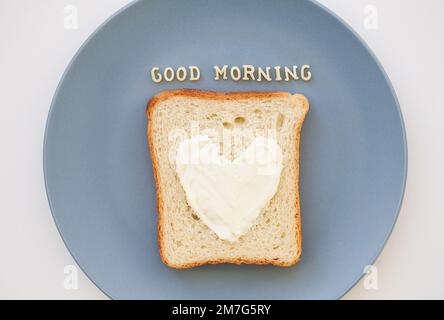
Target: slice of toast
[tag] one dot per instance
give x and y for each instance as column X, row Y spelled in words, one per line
column 184, row 240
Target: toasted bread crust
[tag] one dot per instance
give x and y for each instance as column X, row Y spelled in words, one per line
column 164, row 95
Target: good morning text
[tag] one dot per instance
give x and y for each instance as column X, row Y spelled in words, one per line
column 235, row 73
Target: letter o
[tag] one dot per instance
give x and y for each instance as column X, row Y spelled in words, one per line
column 238, row 73
column 168, row 74
column 181, row 74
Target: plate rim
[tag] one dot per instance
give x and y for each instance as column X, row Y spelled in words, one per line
column 317, row 4
column 403, row 131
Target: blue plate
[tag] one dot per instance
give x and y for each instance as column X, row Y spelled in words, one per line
column 98, row 171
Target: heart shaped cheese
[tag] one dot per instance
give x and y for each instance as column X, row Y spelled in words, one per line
column 228, row 195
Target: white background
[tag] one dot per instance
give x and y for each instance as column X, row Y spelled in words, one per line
column 35, row 48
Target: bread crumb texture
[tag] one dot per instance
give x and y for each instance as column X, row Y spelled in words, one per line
column 184, row 240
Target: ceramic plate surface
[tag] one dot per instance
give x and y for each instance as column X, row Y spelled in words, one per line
column 98, row 170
